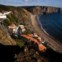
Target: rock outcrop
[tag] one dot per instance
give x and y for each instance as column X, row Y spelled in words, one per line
column 43, row 10
column 52, row 10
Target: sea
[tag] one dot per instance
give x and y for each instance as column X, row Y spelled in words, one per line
column 52, row 25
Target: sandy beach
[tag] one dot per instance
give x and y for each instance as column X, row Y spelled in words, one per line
column 51, row 43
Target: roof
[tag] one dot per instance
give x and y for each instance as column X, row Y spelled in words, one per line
column 12, row 26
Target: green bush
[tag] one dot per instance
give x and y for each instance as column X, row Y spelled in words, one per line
column 20, row 44
column 6, row 22
column 14, row 18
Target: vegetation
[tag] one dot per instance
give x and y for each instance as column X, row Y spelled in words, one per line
column 6, row 22
column 14, row 17
column 10, row 19
column 27, row 32
column 20, row 44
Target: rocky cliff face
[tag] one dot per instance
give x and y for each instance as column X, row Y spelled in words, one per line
column 43, row 10
column 52, row 10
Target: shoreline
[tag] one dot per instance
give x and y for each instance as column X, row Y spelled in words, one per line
column 51, row 43
column 40, row 24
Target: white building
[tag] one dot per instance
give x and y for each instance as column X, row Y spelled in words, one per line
column 2, row 16
column 23, row 30
column 13, row 27
column 21, row 26
column 6, row 13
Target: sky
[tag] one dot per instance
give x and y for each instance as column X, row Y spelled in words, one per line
column 54, row 3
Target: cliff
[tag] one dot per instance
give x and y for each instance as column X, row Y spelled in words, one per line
column 43, row 10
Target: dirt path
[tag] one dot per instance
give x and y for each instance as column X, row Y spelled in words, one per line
column 53, row 44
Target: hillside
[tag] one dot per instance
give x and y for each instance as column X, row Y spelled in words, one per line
column 19, row 15
column 16, row 17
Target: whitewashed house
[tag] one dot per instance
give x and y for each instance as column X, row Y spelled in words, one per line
column 22, row 27
column 6, row 13
column 2, row 16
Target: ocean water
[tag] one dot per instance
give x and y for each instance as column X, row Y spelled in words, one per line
column 52, row 24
